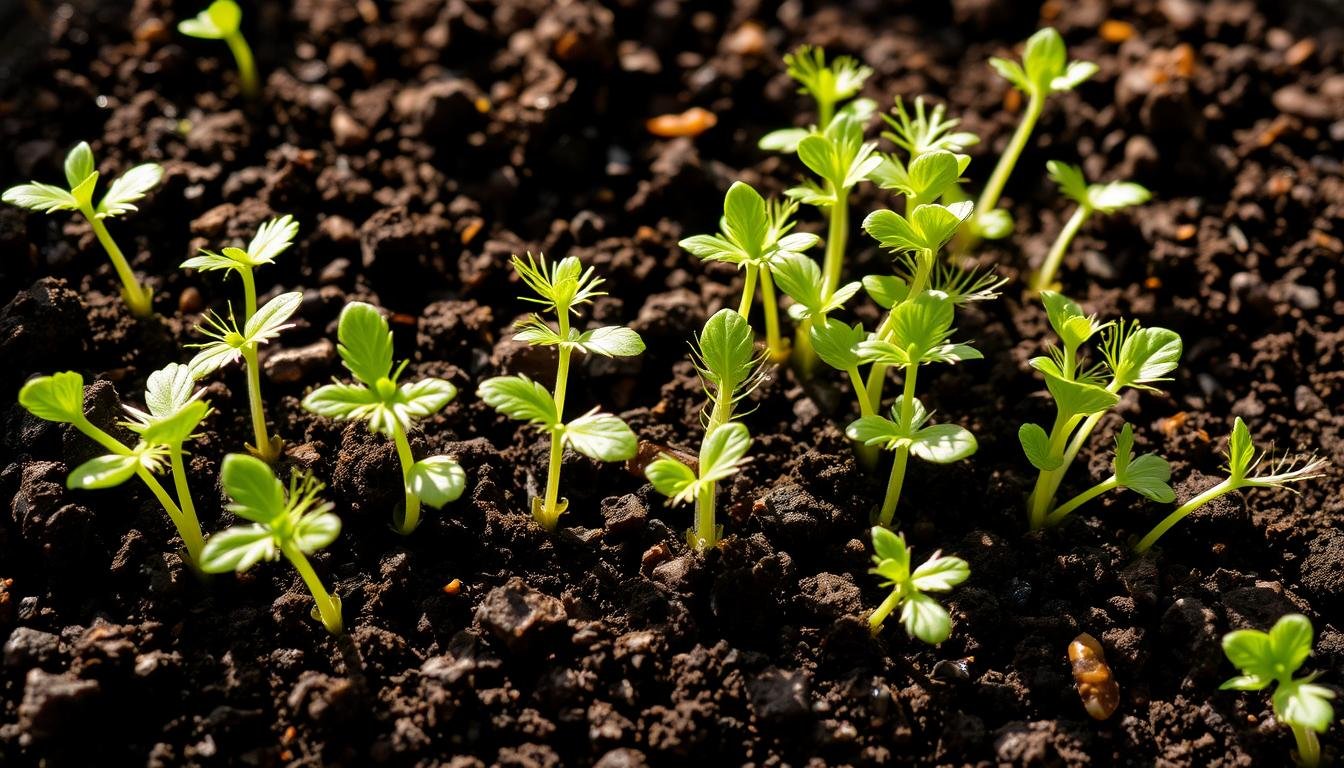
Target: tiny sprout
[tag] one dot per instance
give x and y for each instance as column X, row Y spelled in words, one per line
column 755, row 235
column 272, row 239
column 232, row 343
column 1271, row 658
column 1132, row 357
column 174, row 412
column 920, row 332
column 725, row 356
column 1146, row 475
column 927, row 178
column 389, row 408
column 561, row 288
column 1242, row 463
column 1045, row 70
column 921, row 614
column 119, row 199
column 1105, row 198
column 828, row 85
column 294, row 524
column 926, row 131
column 222, row 20
column 842, row 159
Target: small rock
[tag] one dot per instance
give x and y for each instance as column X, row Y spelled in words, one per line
column 515, row 611
column 54, row 707
column 347, row 131
column 28, row 647
column 1306, row 400
column 290, row 366
column 622, row 758
column 335, row 271
column 779, row 698
column 623, row 515
column 675, row 574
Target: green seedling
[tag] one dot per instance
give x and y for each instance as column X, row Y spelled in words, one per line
column 173, row 411
column 232, row 343
column 1091, row 198
column 222, row 20
column 1045, row 70
column 390, row 409
column 273, row 238
column 725, row 356
column 829, row 85
column 928, row 177
column 562, row 288
column 1146, row 475
column 294, row 524
column 841, row 158
column 1132, row 357
column 921, row 614
column 721, row 455
column 755, row 235
column 925, row 131
column 916, row 240
column 1272, row 658
column 1243, row 471
column 920, row 333
column 120, row 199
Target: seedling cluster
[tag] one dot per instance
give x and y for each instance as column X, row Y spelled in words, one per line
column 915, row 305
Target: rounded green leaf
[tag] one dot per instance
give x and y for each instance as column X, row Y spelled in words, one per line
column 602, row 436
column 314, row 532
column 256, row 492
column 744, row 218
column 1304, row 705
column 59, row 397
column 939, row 574
column 723, row 450
column 237, row 549
column 670, row 477
column 837, row 344
column 175, row 429
column 943, row 443
column 889, row 545
column 612, row 341
column 518, row 397
column 1036, row 445
column 78, row 164
column 365, row 342
column 925, row 619
column 103, row 472
column 340, row 401
column 726, row 350
column 1290, row 641
column 437, row 480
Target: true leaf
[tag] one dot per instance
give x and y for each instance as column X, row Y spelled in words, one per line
column 925, row 619
column 943, row 443
column 612, row 341
column 78, row 164
column 41, row 197
column 271, row 318
column 722, row 451
column 886, row 290
column 59, row 397
column 518, row 397
column 129, row 188
column 340, row 401
column 237, row 549
column 1036, row 445
column 103, row 472
column 365, row 342
column 256, row 492
column 671, row 478
column 314, row 532
column 837, row 343
column 940, row 574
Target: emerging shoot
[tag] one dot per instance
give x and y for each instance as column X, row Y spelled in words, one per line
column 120, row 198
column 390, row 409
column 829, row 85
column 1243, row 471
column 232, row 343
column 294, row 524
column 1105, row 198
column 1132, row 357
column 921, row 329
column 273, row 238
column 174, row 411
column 755, row 236
column 222, row 20
column 921, row 615
column 561, row 288
column 730, row 369
column 1272, row 658
column 1045, row 70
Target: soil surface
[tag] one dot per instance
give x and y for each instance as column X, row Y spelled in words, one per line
column 420, row 143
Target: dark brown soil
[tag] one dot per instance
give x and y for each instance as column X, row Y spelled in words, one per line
column 421, row 142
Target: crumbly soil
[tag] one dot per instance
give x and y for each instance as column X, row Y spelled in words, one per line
column 421, row 142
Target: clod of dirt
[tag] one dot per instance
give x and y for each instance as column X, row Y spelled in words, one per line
column 27, row 648
column 779, row 698
column 516, row 614
column 46, row 322
column 56, row 709
column 290, row 366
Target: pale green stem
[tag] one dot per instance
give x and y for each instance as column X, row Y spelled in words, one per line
column 550, row 511
column 1047, row 482
column 266, row 448
column 247, row 69
column 897, row 478
column 1308, row 746
column 137, row 297
column 989, row 197
column 825, row 113
column 774, row 341
column 1046, row 277
column 837, row 237
column 96, row 434
column 1063, row 510
column 919, row 282
column 748, row 292
column 190, row 527
column 328, row 607
column 411, row 518
column 249, row 293
column 191, row 534
column 706, row 530
column 884, row 610
column 867, row 454
column 1226, row 486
